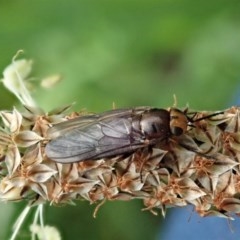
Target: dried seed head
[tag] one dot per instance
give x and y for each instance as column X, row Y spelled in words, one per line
column 198, row 165
column 160, row 177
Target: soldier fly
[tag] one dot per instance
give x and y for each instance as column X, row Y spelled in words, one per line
column 114, row 132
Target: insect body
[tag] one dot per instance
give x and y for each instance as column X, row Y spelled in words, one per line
column 113, row 133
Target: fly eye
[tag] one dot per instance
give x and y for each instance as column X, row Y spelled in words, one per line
column 177, row 131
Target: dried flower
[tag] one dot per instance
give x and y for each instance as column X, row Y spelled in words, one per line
column 13, row 79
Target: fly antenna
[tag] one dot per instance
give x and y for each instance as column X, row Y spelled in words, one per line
column 208, row 116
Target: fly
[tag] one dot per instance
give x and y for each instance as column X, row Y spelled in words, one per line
column 114, row 133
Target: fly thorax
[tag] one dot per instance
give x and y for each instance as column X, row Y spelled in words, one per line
column 155, row 124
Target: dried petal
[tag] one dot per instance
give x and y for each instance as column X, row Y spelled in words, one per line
column 131, row 181
column 54, row 191
column 153, row 159
column 123, row 197
column 68, row 172
column 222, row 164
column 233, row 123
column 32, row 155
column 27, row 138
column 12, row 120
column 231, row 205
column 226, row 184
column 41, row 173
column 206, row 181
column 40, row 189
column 234, row 141
column 19, row 181
column 81, row 187
column 5, row 141
column 12, row 159
column 96, row 173
column 188, row 189
column 13, row 194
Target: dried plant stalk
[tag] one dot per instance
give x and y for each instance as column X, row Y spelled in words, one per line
column 169, row 177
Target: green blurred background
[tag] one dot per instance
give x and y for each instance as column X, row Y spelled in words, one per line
column 131, row 53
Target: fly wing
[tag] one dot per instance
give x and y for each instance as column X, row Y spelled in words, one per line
column 88, row 120
column 64, row 127
column 96, row 137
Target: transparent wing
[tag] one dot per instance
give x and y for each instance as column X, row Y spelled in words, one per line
column 84, row 121
column 96, row 136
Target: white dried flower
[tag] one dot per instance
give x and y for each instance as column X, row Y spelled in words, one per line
column 46, row 232
column 13, row 79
